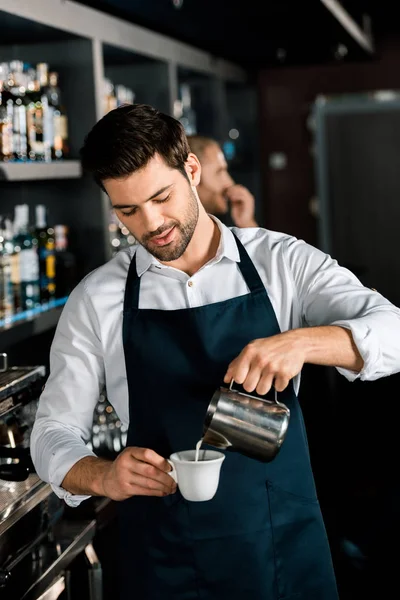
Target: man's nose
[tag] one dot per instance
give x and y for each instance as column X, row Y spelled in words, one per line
column 228, row 181
column 152, row 220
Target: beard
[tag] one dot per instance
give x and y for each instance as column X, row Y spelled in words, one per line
column 184, row 230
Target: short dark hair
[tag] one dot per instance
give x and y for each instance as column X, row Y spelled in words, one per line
column 128, row 137
column 198, row 144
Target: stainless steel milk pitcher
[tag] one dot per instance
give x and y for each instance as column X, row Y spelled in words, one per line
column 247, row 424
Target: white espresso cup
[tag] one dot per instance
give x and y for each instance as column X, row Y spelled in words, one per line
column 197, row 480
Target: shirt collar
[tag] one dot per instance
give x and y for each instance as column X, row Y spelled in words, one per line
column 227, row 249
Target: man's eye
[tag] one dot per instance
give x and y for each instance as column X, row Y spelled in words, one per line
column 129, row 213
column 162, row 200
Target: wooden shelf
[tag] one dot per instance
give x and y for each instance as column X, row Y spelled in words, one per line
column 20, row 171
column 29, row 323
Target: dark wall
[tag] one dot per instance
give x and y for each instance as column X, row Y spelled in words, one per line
column 355, row 482
column 286, row 96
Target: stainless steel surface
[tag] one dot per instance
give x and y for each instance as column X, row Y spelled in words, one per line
column 18, row 498
column 54, row 591
column 4, row 365
column 14, row 380
column 95, row 574
column 247, row 424
column 73, row 537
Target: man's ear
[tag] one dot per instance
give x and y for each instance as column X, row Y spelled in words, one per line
column 193, row 169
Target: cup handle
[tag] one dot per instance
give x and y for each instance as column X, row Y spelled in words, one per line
column 173, row 473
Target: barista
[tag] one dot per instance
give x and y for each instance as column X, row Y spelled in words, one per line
column 162, row 325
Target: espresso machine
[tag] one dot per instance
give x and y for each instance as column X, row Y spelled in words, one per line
column 44, row 552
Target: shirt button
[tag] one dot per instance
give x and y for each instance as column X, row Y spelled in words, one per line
column 190, row 283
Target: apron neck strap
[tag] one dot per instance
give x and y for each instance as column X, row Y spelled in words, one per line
column 248, row 270
column 246, row 266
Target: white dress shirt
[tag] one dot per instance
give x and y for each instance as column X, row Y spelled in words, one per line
column 306, row 288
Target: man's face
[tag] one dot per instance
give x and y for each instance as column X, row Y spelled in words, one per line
column 158, row 206
column 215, row 180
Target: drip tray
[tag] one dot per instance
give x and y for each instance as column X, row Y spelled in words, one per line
column 15, row 380
column 18, row 498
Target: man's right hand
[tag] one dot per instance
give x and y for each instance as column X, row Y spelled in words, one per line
column 138, row 472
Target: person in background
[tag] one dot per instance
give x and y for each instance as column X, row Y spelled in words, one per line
column 193, row 306
column 231, row 202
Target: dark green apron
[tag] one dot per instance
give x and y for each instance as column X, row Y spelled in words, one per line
column 262, row 536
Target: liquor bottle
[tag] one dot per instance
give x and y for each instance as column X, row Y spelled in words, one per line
column 14, row 255
column 124, row 95
column 188, row 116
column 35, row 118
column 46, row 253
column 6, row 116
column 6, row 290
column 66, row 272
column 42, row 70
column 60, row 121
column 24, row 242
column 110, row 99
column 17, row 84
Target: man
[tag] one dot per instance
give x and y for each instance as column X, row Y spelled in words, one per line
column 219, row 194
column 162, row 325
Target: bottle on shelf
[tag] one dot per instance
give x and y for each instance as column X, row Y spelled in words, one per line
column 110, row 99
column 187, row 115
column 124, row 95
column 26, row 245
column 33, row 122
column 60, row 120
column 6, row 289
column 116, row 95
column 35, row 118
column 8, row 233
column 46, row 253
column 6, row 116
column 66, row 271
column 17, row 86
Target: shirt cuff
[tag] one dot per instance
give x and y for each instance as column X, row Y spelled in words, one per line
column 60, row 464
column 369, row 348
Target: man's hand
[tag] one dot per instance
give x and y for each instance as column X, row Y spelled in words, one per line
column 242, row 206
column 278, row 358
column 135, row 472
column 138, row 472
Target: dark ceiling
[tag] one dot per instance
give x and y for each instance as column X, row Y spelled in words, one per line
column 257, row 33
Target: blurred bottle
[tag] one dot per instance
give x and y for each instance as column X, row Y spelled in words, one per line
column 26, row 245
column 110, row 99
column 124, row 95
column 33, row 122
column 6, row 290
column 6, row 115
column 14, row 254
column 47, row 257
column 66, row 274
column 116, row 95
column 60, row 147
column 188, row 116
column 17, row 83
column 34, row 117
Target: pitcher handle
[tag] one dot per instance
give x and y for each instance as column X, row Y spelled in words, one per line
column 255, row 397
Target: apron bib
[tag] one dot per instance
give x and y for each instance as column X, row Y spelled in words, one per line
column 262, row 535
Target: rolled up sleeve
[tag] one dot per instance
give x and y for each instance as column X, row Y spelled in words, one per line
column 329, row 294
column 65, row 413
